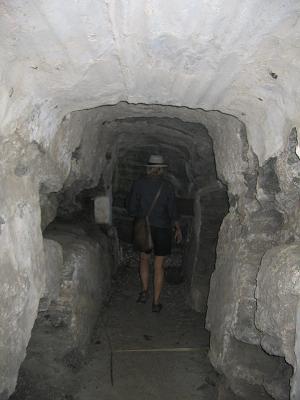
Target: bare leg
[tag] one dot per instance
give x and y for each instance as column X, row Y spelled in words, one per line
column 144, row 270
column 158, row 277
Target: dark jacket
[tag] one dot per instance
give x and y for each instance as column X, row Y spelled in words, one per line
column 164, row 213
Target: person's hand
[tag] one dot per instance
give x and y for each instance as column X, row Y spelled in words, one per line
column 178, row 234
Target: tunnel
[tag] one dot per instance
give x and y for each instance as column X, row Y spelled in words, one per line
column 90, row 89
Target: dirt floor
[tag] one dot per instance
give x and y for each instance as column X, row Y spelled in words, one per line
column 135, row 354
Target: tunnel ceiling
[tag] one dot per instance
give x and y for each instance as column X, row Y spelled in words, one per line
column 203, row 146
column 238, row 57
column 186, row 147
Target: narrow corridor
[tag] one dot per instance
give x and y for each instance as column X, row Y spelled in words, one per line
column 154, row 356
column 134, row 353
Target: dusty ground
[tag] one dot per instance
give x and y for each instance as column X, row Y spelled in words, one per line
column 171, row 361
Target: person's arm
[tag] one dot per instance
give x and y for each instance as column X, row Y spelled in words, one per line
column 178, row 232
column 174, row 215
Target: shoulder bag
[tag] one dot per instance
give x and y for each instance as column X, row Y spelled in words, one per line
column 142, row 239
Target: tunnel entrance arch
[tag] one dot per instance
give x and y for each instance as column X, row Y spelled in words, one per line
column 90, row 141
column 193, row 137
column 240, row 248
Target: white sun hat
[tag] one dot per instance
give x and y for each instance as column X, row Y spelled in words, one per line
column 156, row 161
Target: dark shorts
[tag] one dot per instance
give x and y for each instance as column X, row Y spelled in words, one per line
column 162, row 240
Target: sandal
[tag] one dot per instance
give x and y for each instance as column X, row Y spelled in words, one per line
column 156, row 307
column 143, row 297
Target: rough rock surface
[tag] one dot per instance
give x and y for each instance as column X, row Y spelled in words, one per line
column 85, row 280
column 235, row 339
column 211, row 204
column 252, row 227
column 218, row 55
column 48, row 204
column 53, row 271
column 101, row 52
column 277, row 294
column 22, row 273
column 277, row 300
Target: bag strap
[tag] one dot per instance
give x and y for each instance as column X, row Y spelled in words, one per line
column 155, row 200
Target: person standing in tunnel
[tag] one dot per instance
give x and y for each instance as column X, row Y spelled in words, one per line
column 163, row 219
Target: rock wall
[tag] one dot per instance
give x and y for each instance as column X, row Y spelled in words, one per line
column 84, row 280
column 211, row 205
column 78, row 263
column 22, row 273
column 53, row 270
column 253, row 302
column 277, row 297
